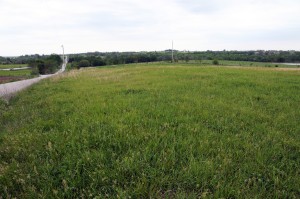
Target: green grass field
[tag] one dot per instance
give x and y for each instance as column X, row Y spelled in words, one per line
column 12, row 66
column 242, row 63
column 255, row 64
column 26, row 72
column 154, row 131
column 16, row 75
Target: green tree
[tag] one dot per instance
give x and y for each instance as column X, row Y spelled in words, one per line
column 215, row 62
column 46, row 65
column 84, row 63
column 200, row 59
column 98, row 62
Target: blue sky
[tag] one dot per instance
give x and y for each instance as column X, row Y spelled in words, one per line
column 41, row 26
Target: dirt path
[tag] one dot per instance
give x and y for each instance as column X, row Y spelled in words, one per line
column 8, row 89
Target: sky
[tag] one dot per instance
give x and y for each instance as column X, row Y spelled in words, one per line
column 42, row 26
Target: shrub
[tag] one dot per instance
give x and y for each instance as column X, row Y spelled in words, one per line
column 50, row 66
column 46, row 66
column 84, row 63
column 34, row 71
column 215, row 62
column 98, row 62
column 74, row 65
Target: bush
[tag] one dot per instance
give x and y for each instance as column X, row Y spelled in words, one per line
column 55, row 58
column 84, row 63
column 98, row 62
column 46, row 66
column 34, row 71
column 215, row 62
column 75, row 65
column 50, row 66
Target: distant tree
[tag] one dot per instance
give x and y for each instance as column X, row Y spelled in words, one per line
column 199, row 59
column 40, row 66
column 75, row 65
column 98, row 61
column 280, row 59
column 215, row 62
column 84, row 63
column 45, row 65
column 55, row 58
column 186, row 58
column 50, row 66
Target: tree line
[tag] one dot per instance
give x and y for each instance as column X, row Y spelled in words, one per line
column 46, row 65
column 114, row 58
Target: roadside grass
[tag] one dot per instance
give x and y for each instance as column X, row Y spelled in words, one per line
column 154, row 131
column 12, row 66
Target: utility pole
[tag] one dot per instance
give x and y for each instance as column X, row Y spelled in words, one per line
column 64, row 65
column 172, row 52
column 63, row 52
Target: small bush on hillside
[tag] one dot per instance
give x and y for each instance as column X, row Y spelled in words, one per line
column 215, row 62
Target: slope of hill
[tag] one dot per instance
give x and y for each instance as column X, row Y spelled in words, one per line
column 159, row 131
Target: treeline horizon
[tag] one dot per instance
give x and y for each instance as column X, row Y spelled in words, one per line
column 113, row 58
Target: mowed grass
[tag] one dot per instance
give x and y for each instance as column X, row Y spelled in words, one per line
column 154, row 131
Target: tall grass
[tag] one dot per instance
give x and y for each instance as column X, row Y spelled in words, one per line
column 154, row 131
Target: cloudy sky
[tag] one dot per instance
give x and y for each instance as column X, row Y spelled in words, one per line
column 42, row 26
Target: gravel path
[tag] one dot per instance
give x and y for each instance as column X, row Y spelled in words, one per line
column 8, row 89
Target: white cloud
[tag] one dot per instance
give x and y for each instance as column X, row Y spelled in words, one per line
column 34, row 26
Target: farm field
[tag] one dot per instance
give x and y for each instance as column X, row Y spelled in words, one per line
column 154, row 131
column 25, row 72
column 10, row 76
column 12, row 66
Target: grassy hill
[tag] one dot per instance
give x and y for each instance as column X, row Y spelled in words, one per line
column 155, row 130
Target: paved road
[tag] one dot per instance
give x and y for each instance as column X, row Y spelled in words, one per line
column 8, row 89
